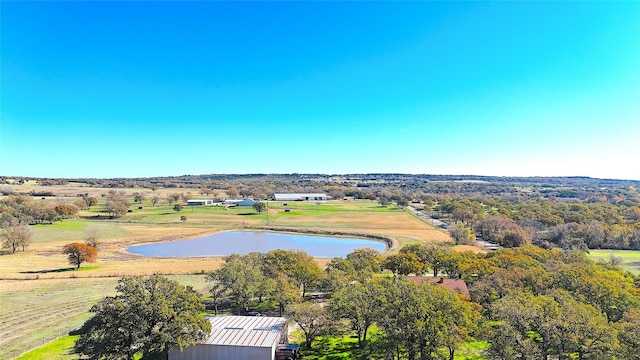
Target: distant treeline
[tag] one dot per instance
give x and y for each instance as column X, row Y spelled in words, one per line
column 567, row 212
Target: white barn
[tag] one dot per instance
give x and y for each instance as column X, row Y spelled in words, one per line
column 199, row 202
column 238, row 337
column 301, row 197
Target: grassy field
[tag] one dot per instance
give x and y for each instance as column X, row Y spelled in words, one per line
column 42, row 298
column 346, row 347
column 59, row 349
column 629, row 259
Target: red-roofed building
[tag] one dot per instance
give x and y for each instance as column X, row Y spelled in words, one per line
column 457, row 285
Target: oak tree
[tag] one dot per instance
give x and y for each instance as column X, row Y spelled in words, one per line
column 148, row 316
column 77, row 253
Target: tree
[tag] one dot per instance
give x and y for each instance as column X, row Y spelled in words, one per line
column 365, row 261
column 553, row 324
column 89, row 201
column 15, row 236
column 297, row 265
column 359, row 303
column 461, row 234
column 456, row 264
column 138, row 197
column 403, row 264
column 629, row 335
column 513, row 238
column 116, row 207
column 233, row 193
column 436, row 255
column 65, row 211
column 155, row 199
column 150, row 315
column 173, row 197
column 177, row 207
column 312, row 319
column 218, row 288
column 285, row 293
column 241, row 279
column 422, row 319
column 259, row 206
column 186, row 197
column 462, row 214
column 338, row 273
column 77, row 253
column 92, row 237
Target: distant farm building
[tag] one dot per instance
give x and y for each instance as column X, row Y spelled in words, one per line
column 246, row 202
column 199, row 202
column 300, row 197
column 457, row 285
column 238, row 202
column 241, row 337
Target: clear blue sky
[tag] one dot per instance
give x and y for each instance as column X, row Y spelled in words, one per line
column 127, row 89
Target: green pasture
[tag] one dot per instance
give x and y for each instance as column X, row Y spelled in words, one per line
column 630, row 259
column 346, row 347
column 31, row 318
column 59, row 349
column 336, row 215
column 75, row 230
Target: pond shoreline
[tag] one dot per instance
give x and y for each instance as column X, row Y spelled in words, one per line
column 388, row 242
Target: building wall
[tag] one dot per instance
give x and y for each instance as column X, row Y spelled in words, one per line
column 223, row 352
column 304, row 197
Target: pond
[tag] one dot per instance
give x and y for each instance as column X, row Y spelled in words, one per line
column 244, row 242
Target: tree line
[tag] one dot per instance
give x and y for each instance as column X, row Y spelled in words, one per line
column 526, row 302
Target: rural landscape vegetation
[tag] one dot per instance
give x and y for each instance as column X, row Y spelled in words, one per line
column 133, row 125
column 552, row 265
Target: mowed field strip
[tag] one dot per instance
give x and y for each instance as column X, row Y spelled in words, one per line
column 42, row 298
column 629, row 259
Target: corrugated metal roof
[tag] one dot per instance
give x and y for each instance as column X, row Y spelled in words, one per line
column 258, row 331
column 299, row 195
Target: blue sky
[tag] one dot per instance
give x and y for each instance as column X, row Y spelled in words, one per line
column 128, row 89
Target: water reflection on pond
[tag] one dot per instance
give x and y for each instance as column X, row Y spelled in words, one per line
column 244, row 242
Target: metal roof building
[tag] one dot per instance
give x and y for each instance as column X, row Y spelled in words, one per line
column 300, row 197
column 238, row 337
column 457, row 285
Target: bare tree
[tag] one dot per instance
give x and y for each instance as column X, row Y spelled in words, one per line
column 16, row 236
column 92, row 237
column 174, row 197
column 138, row 197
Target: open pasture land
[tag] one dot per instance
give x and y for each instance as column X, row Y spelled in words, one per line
column 42, row 297
column 629, row 259
column 35, row 312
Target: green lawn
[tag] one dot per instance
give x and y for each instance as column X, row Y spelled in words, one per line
column 346, row 347
column 59, row 349
column 630, row 258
